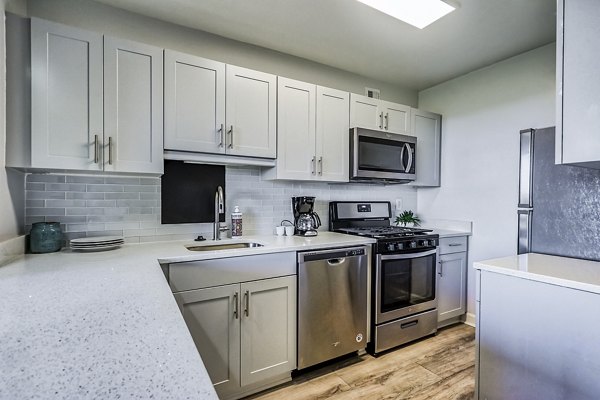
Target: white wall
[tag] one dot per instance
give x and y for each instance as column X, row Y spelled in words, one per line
column 483, row 113
column 90, row 15
column 11, row 182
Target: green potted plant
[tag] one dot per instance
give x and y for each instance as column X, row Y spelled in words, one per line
column 408, row 217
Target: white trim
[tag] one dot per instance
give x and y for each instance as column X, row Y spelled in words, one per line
column 471, row 320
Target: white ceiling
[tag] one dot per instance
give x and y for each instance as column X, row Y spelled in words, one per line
column 352, row 36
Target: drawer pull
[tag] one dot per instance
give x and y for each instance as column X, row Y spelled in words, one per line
column 235, row 305
column 455, row 244
column 409, row 324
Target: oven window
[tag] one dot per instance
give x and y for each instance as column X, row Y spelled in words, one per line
column 406, row 282
column 379, row 154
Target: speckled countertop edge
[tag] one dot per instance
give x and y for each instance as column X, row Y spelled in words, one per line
column 105, row 324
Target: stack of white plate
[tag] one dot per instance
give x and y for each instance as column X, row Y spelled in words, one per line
column 97, row 243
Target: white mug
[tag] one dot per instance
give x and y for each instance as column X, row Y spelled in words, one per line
column 289, row 231
column 280, row 230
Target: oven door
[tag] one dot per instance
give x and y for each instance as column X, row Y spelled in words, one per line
column 405, row 284
column 382, row 155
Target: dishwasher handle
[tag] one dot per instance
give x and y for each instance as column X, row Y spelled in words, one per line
column 332, row 256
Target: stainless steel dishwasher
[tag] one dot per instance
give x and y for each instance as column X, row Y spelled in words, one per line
column 332, row 303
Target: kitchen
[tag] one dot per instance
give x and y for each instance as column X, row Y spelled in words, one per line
column 483, row 109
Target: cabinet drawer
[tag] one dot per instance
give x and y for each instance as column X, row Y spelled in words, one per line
column 224, row 271
column 453, row 244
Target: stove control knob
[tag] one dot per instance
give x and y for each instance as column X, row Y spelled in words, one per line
column 432, row 242
column 400, row 246
column 390, row 247
column 413, row 245
column 422, row 243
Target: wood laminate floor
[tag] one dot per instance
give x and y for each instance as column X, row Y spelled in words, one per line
column 438, row 367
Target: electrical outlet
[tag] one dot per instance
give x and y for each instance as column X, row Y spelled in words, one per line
column 398, row 206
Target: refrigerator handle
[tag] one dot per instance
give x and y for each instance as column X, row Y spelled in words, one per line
column 526, row 168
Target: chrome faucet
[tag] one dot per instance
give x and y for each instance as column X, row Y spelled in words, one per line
column 219, row 209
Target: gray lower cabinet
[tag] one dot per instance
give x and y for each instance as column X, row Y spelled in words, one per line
column 535, row 340
column 452, row 280
column 245, row 332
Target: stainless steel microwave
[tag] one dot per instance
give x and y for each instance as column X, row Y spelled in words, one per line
column 377, row 156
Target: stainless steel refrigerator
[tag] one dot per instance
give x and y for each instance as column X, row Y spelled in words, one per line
column 559, row 205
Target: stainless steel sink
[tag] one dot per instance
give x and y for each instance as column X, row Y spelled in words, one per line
column 224, row 246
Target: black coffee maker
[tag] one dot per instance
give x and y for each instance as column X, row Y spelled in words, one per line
column 306, row 220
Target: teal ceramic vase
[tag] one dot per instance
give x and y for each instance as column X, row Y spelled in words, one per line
column 45, row 237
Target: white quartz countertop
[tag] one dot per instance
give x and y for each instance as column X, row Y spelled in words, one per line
column 563, row 271
column 445, row 233
column 105, row 324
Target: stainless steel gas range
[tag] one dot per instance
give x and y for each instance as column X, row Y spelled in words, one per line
column 403, row 272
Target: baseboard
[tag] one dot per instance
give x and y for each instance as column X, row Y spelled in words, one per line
column 471, row 320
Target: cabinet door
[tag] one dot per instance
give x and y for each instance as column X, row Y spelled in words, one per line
column 365, row 112
column 250, row 111
column 426, row 127
column 133, row 107
column 296, row 130
column 452, row 273
column 268, row 328
column 194, row 103
column 66, row 98
column 578, row 121
column 213, row 319
column 396, row 117
column 333, row 132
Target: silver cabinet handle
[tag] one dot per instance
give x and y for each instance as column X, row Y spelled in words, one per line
column 441, row 273
column 230, row 133
column 313, row 165
column 96, row 148
column 235, row 305
column 221, row 135
column 381, row 120
column 410, row 158
column 320, row 165
column 247, row 308
column 387, row 121
column 455, row 244
column 110, row 151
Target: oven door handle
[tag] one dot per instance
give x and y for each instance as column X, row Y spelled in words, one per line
column 405, row 256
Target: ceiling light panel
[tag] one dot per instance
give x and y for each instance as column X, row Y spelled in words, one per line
column 419, row 13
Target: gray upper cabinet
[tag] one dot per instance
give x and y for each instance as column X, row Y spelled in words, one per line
column 215, row 108
column 396, row 118
column 194, row 103
column 578, row 86
column 313, row 133
column 251, row 112
column 366, row 112
column 426, row 127
column 96, row 103
column 133, row 107
column 66, row 98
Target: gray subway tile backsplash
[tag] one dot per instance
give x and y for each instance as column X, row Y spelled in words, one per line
column 130, row 205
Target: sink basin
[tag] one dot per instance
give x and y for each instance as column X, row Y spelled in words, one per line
column 224, row 246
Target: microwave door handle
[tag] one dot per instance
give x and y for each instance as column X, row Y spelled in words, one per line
column 410, row 157
column 402, row 166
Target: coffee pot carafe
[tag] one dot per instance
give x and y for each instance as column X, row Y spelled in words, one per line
column 306, row 220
